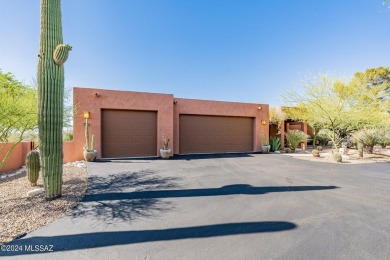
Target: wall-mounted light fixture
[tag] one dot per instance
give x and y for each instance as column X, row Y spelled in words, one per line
column 97, row 94
column 175, row 102
column 259, row 108
column 263, row 122
column 86, row 114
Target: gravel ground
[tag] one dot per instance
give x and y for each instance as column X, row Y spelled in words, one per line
column 379, row 155
column 20, row 214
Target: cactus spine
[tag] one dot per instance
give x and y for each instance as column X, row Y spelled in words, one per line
column 52, row 54
column 33, row 167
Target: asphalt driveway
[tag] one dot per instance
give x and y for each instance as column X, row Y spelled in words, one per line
column 223, row 207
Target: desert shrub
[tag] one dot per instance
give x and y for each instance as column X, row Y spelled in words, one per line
column 337, row 157
column 384, row 137
column 67, row 136
column 288, row 150
column 319, row 148
column 322, row 139
column 369, row 138
column 274, row 143
column 295, row 137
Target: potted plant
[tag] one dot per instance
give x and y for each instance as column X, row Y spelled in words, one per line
column 165, row 152
column 265, row 147
column 89, row 149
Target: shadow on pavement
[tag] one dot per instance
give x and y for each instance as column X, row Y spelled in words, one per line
column 126, row 209
column 237, row 189
column 104, row 239
column 187, row 157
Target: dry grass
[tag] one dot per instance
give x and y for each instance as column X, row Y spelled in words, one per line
column 20, row 214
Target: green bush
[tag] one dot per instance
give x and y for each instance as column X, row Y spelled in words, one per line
column 288, row 150
column 369, row 138
column 275, row 144
column 295, row 137
column 67, row 136
column 322, row 139
column 384, row 136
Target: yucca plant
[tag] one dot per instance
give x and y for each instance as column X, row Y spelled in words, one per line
column 275, row 144
column 295, row 137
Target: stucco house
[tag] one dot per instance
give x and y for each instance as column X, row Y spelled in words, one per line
column 132, row 124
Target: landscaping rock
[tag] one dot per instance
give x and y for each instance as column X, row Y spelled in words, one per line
column 35, row 192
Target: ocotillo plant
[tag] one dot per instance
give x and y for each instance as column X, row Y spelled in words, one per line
column 33, row 166
column 52, row 55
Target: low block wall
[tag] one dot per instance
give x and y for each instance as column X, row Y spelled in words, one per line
column 18, row 156
column 71, row 152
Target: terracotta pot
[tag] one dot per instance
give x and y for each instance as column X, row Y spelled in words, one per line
column 165, row 154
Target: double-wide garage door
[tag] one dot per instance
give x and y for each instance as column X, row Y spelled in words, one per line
column 215, row 134
column 129, row 133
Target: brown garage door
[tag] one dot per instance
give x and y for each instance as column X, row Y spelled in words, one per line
column 214, row 134
column 129, row 133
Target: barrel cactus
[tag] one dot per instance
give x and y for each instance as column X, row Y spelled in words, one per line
column 52, row 54
column 33, row 166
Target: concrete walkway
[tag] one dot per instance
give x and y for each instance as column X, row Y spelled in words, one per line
column 222, row 207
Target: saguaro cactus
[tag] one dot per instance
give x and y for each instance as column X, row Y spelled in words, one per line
column 52, row 54
column 33, row 167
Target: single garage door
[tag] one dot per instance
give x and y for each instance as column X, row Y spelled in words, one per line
column 215, row 134
column 129, row 133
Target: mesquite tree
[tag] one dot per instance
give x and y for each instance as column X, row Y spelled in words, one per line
column 52, row 55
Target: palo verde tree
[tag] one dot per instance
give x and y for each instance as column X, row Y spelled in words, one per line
column 18, row 113
column 52, row 55
column 331, row 104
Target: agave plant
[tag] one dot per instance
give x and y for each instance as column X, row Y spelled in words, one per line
column 274, row 143
column 295, row 137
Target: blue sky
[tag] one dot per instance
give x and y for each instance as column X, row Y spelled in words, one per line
column 245, row 51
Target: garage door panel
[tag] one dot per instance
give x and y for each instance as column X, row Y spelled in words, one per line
column 211, row 134
column 128, row 133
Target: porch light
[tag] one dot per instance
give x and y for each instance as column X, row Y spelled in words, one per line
column 86, row 115
column 263, row 122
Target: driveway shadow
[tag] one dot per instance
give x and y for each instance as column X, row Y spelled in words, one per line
column 237, row 189
column 105, row 239
column 126, row 209
column 186, row 157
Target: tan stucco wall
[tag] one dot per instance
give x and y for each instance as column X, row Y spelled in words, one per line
column 86, row 100
column 220, row 108
column 17, row 157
